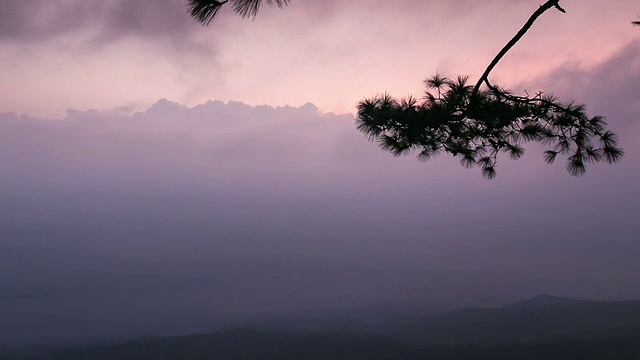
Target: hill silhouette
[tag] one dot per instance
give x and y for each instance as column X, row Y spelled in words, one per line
column 543, row 327
column 538, row 319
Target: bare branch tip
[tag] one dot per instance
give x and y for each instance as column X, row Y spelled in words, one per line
column 557, row 5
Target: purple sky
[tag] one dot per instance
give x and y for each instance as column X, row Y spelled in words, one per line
column 150, row 215
column 125, row 55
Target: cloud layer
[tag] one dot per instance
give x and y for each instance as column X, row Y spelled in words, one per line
column 128, row 54
column 35, row 21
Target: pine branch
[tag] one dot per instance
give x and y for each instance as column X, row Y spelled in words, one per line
column 475, row 125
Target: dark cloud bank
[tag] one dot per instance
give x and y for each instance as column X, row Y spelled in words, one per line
column 33, row 20
column 29, row 21
column 179, row 219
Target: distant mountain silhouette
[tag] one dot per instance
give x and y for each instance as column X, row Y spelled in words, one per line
column 541, row 318
column 252, row 345
column 543, row 327
column 543, row 300
column 241, row 344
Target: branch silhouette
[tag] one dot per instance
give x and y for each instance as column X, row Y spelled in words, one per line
column 546, row 6
column 476, row 123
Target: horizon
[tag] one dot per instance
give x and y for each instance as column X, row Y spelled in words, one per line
column 380, row 323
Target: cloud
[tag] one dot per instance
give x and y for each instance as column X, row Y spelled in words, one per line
column 33, row 20
column 134, row 52
column 36, row 21
column 608, row 88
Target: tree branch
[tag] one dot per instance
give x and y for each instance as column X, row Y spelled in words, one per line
column 544, row 7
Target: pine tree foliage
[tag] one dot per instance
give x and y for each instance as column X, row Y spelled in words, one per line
column 476, row 128
column 204, row 11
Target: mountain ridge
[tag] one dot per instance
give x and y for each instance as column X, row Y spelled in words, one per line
column 540, row 318
column 540, row 322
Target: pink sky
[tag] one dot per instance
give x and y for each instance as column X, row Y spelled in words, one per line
column 94, row 55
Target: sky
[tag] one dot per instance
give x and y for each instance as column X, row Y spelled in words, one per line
column 158, row 176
